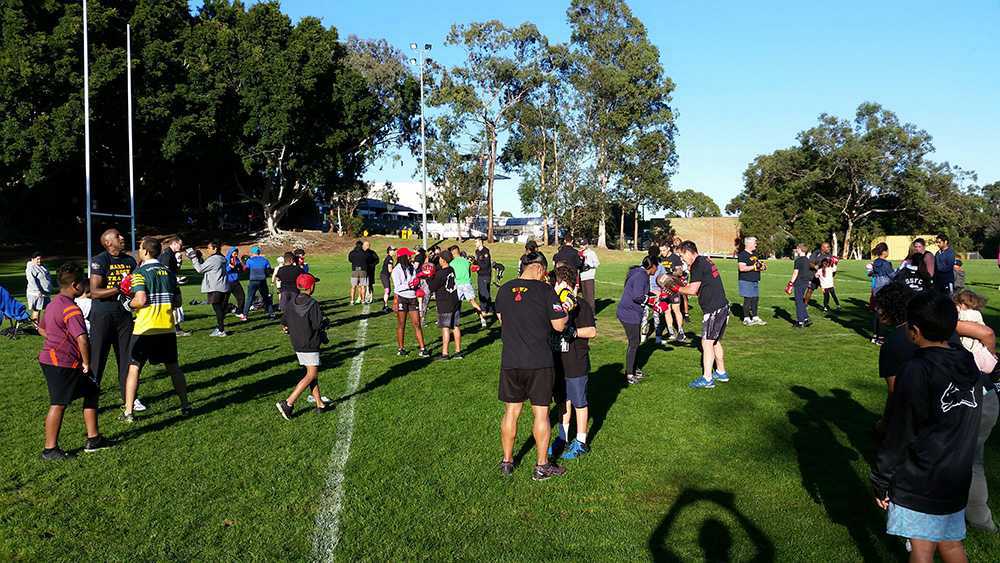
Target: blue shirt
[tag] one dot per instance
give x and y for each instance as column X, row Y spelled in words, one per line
column 258, row 266
column 944, row 266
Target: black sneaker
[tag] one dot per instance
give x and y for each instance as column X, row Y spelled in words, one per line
column 442, row 358
column 807, row 324
column 640, row 375
column 506, row 468
column 424, row 353
column 55, row 454
column 401, row 352
column 458, row 355
column 285, row 409
column 97, row 443
column 543, row 472
column 327, row 407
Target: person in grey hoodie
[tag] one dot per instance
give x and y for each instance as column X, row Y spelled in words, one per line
column 213, row 282
column 39, row 286
column 630, row 313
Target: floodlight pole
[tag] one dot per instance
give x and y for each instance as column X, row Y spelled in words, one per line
column 131, row 171
column 86, row 133
column 423, row 142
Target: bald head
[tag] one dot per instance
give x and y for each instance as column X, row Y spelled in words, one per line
column 112, row 241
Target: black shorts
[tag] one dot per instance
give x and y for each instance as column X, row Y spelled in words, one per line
column 713, row 325
column 814, row 284
column 216, row 297
column 153, row 349
column 520, row 385
column 407, row 304
column 386, row 281
column 66, row 384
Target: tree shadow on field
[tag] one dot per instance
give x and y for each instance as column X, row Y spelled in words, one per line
column 827, row 467
column 714, row 537
column 854, row 316
column 783, row 314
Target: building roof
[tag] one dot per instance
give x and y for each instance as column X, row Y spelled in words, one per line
column 377, row 205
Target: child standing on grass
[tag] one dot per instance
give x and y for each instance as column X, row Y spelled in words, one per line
column 826, row 274
column 65, row 362
column 306, row 328
column 881, row 272
column 923, row 468
column 39, row 286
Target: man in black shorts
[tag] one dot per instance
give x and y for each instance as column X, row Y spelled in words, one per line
column 484, row 273
column 529, row 310
column 359, row 272
column 110, row 321
column 372, row 263
column 705, row 282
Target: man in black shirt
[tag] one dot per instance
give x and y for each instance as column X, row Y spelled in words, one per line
column 529, row 310
column 449, row 306
column 484, row 264
column 801, row 283
column 750, row 266
column 110, row 322
column 359, row 272
column 705, row 282
column 568, row 255
column 574, row 366
column 284, row 277
column 372, row 257
column 386, row 276
column 171, row 249
column 814, row 259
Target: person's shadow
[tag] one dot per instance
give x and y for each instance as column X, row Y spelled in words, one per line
column 714, row 537
column 783, row 314
column 827, row 469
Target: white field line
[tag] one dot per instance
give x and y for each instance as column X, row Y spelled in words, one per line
column 327, row 534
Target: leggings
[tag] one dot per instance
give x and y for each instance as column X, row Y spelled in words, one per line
column 220, row 316
column 632, row 352
column 750, row 307
column 827, row 294
column 236, row 290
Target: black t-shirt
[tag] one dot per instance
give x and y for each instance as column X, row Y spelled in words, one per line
column 372, row 257
column 576, row 362
column 485, row 261
column 711, row 294
column 387, row 265
column 169, row 259
column 750, row 259
column 113, row 269
column 914, row 279
column 675, row 261
column 358, row 260
column 899, row 349
column 568, row 255
column 287, row 276
column 445, row 294
column 526, row 309
column 801, row 265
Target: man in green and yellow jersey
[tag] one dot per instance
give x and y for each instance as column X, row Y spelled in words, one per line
column 463, row 281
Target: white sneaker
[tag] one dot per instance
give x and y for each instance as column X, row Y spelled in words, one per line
column 324, row 398
column 759, row 321
column 218, row 333
column 747, row 322
column 137, row 406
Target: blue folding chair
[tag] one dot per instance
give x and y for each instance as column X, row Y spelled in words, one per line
column 11, row 309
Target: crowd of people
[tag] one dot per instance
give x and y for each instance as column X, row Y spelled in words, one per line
column 937, row 355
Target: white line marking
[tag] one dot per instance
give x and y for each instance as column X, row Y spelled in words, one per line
column 327, row 534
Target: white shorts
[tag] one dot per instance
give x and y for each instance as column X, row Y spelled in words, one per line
column 37, row 302
column 465, row 292
column 308, row 358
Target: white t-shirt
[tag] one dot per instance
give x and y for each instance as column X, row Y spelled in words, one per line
column 825, row 276
column 590, row 259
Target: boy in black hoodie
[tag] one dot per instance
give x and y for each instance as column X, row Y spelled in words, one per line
column 923, row 469
column 305, row 325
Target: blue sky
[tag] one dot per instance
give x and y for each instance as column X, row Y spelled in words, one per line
column 750, row 75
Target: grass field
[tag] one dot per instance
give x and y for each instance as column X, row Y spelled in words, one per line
column 771, row 466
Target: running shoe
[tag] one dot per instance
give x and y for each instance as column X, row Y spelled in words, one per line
column 458, row 355
column 682, row 338
column 324, row 409
column 757, row 321
column 56, row 454
column 401, row 352
column 326, row 400
column 482, row 321
column 631, row 379
column 285, row 409
column 506, row 468
column 424, row 353
column 640, row 375
column 182, row 333
column 96, row 443
column 242, row 317
column 441, row 358
column 126, row 418
column 557, row 447
column 575, row 450
column 702, row 383
column 747, row 322
column 137, row 406
column 720, row 377
column 217, row 333
column 543, row 472
column 808, row 323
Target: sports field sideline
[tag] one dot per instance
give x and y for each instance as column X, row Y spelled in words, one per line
column 769, row 466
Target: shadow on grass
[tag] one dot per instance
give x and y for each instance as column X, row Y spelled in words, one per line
column 602, row 304
column 827, row 466
column 854, row 316
column 714, row 537
column 783, row 314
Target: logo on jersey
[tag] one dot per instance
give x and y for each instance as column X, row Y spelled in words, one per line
column 955, row 397
column 519, row 293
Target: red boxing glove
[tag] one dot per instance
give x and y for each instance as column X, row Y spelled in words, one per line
column 414, row 283
column 420, row 293
column 651, row 299
column 475, row 268
column 834, row 260
column 125, row 287
column 788, row 287
column 662, row 306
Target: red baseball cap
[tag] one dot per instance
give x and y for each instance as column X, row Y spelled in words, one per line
column 306, row 281
column 404, row 252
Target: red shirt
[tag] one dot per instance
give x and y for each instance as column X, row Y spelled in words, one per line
column 63, row 323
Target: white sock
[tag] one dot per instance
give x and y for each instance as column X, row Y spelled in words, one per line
column 566, row 430
column 581, row 437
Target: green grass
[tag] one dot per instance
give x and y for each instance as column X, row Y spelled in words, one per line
column 769, row 466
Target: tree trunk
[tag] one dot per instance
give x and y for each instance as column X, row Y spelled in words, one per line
column 489, row 184
column 340, row 223
column 545, row 230
column 847, row 238
column 621, row 230
column 635, row 229
column 541, row 197
column 836, row 244
column 602, row 230
column 555, row 185
column 555, row 227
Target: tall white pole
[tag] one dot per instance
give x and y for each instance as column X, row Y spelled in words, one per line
column 423, row 146
column 86, row 133
column 131, row 171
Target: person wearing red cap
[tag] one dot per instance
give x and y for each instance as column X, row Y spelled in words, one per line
column 405, row 283
column 306, row 328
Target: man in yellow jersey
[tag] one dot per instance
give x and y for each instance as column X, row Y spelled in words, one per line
column 154, row 339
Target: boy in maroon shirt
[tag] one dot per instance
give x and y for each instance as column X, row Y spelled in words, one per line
column 65, row 362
